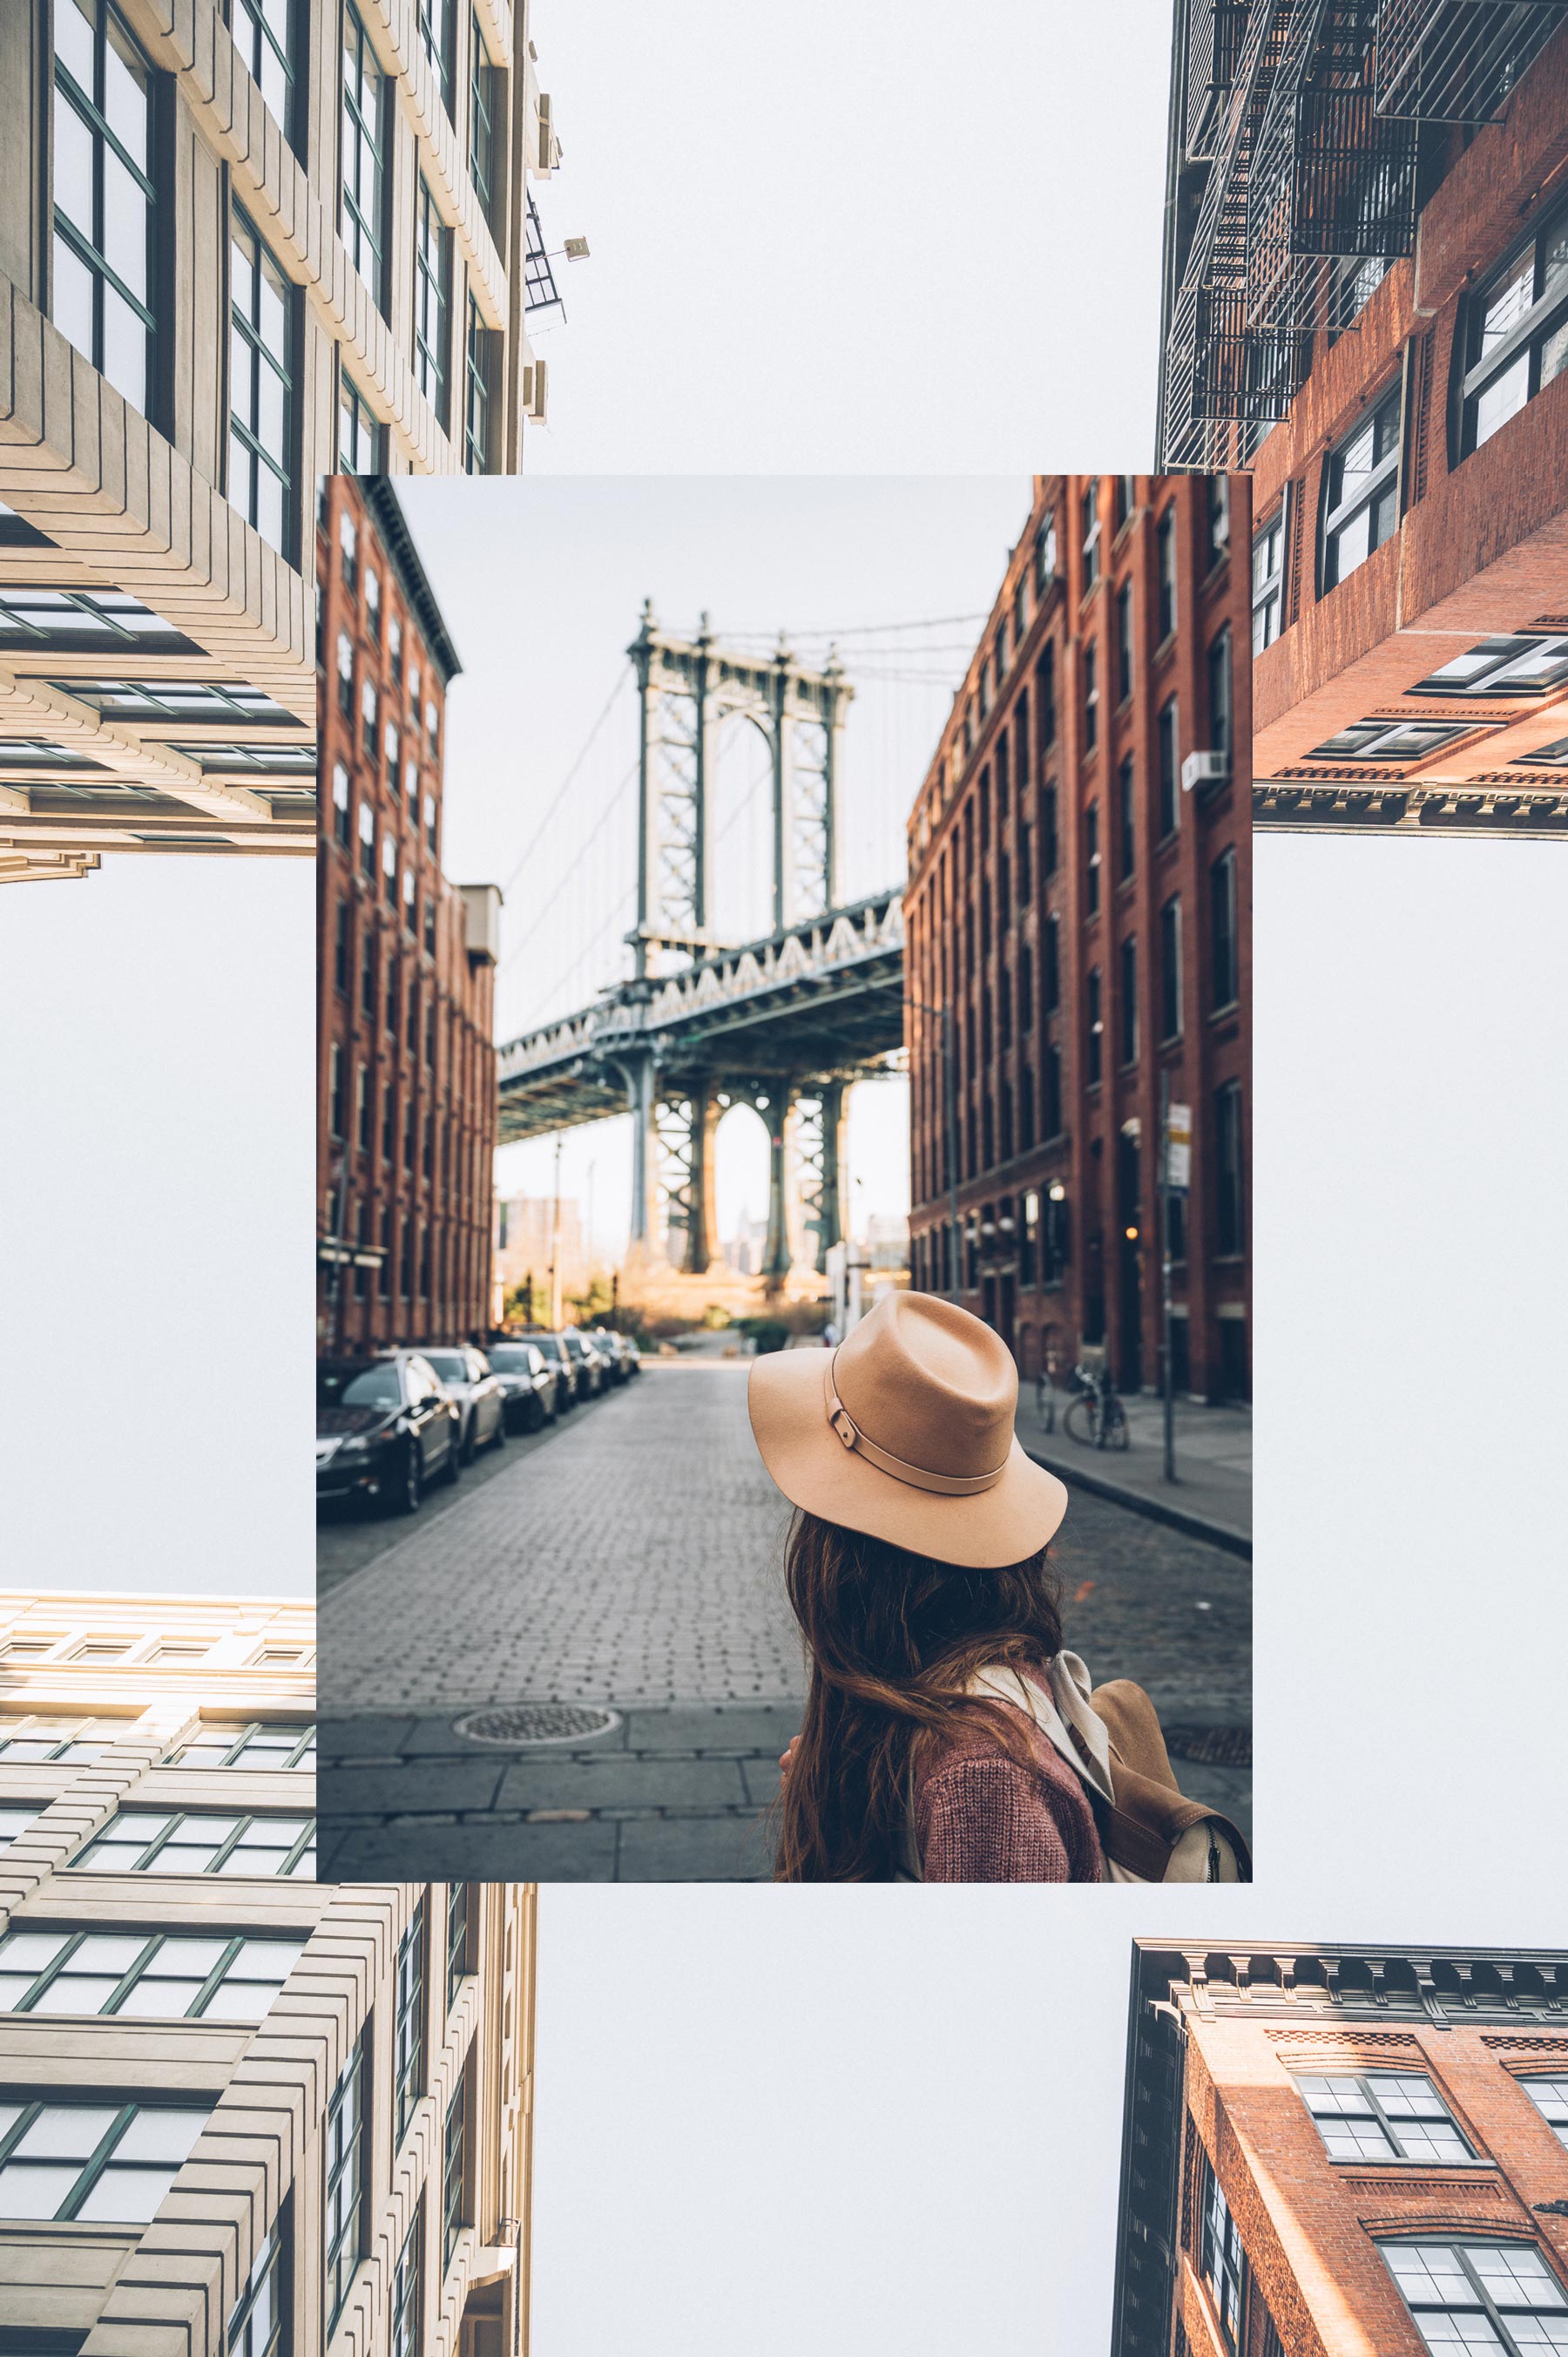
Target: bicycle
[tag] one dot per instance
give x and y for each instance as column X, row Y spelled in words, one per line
column 1095, row 1414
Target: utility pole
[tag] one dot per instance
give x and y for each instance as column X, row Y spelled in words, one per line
column 555, row 1246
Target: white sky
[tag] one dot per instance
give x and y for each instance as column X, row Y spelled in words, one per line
column 542, row 583
column 811, row 2120
column 157, row 1187
column 863, row 239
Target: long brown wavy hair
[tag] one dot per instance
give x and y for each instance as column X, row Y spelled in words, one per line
column 892, row 1640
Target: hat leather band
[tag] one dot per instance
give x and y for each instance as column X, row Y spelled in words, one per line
column 949, row 1485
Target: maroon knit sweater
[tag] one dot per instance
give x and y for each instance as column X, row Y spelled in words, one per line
column 979, row 1817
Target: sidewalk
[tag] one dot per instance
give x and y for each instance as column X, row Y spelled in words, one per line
column 1211, row 1497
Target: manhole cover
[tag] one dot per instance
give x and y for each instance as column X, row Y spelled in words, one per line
column 536, row 1722
column 1218, row 1747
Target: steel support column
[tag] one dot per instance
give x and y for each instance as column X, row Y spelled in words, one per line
column 783, row 1215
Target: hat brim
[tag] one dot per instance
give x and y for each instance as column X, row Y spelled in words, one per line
column 787, row 1398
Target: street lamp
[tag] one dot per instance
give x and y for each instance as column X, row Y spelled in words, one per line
column 950, row 1098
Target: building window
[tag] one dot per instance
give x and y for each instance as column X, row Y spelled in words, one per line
column 1229, row 1209
column 369, row 707
column 341, row 823
column 362, row 189
column 1050, row 964
column 1045, row 556
column 1480, row 2295
column 1127, row 815
column 159, row 1841
column 173, row 1977
column 457, row 1962
column 1268, row 582
column 1552, row 756
column 1516, row 335
column 1550, row 2098
column 410, row 2016
column 1051, row 1093
column 1360, row 506
column 1045, row 696
column 261, row 389
column 1095, row 1031
column 1382, row 2116
column 268, row 36
column 108, row 2160
column 340, row 948
column 1170, row 769
column 256, row 2327
column 477, row 412
column 1091, row 858
column 1385, row 740
column 1223, row 2261
column 405, row 2340
column 1353, row 280
column 335, row 1089
column 1522, row 665
column 1089, row 516
column 438, row 36
column 1165, row 550
column 1125, row 641
column 366, row 840
column 345, row 2140
column 432, row 303
column 105, row 205
column 1223, row 944
column 1090, row 697
column 1216, row 516
column 1129, row 994
column 482, row 111
column 1220, row 713
column 85, row 621
column 1170, row 970
column 1126, row 499
column 359, row 439
column 254, row 1744
column 452, row 2172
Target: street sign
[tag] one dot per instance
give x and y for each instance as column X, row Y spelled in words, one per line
column 1179, row 1148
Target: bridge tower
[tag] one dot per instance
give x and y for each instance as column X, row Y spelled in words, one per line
column 687, row 688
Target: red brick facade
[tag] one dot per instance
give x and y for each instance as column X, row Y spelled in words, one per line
column 1480, row 547
column 1309, row 2272
column 1070, row 904
column 406, row 1087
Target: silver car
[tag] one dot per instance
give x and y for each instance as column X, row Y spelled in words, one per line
column 479, row 1397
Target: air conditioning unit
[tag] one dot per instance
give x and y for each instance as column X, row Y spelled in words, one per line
column 535, row 390
column 546, row 158
column 1201, row 770
column 482, row 921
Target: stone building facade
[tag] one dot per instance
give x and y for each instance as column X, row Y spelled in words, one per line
column 239, row 2111
column 1386, row 348
column 240, row 245
column 1329, row 2151
column 406, row 1086
column 1079, row 937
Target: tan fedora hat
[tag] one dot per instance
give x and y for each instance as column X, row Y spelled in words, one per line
column 906, row 1432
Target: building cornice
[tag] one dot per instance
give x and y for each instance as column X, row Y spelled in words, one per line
column 392, row 524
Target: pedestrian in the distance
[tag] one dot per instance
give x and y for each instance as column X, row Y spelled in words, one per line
column 918, row 1570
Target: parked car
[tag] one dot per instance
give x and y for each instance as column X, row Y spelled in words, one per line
column 384, row 1428
column 632, row 1354
column 591, row 1377
column 612, row 1348
column 558, row 1358
column 464, row 1377
column 531, row 1386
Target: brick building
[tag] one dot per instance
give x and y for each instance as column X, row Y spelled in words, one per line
column 244, row 2113
column 1332, row 2151
column 1367, row 304
column 406, row 1084
column 242, row 242
column 1079, row 933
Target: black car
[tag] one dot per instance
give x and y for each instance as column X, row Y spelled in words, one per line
column 383, row 1428
column 531, row 1386
column 588, row 1366
column 613, row 1349
column 569, row 1389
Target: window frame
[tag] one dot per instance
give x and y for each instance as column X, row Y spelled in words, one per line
column 408, row 2023
column 87, row 245
column 153, row 1944
column 1483, row 2303
column 243, row 423
column 94, row 2167
column 432, row 294
column 1386, row 2122
column 346, row 2162
column 1489, row 680
column 1546, row 315
column 269, row 2271
column 303, row 1845
column 1339, row 509
column 1530, row 2080
column 454, row 2171
column 355, row 223
column 245, row 1732
column 1268, row 590
column 459, row 1930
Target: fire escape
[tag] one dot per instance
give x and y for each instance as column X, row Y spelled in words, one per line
column 1296, row 160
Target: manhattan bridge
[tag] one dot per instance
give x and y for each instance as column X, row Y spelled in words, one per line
column 784, row 1023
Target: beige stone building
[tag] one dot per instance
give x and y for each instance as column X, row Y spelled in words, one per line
column 241, row 246
column 239, row 2111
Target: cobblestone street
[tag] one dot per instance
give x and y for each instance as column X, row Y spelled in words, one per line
column 630, row 1561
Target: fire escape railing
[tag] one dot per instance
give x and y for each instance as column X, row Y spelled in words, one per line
column 539, row 291
column 1303, row 122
